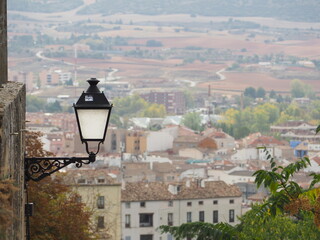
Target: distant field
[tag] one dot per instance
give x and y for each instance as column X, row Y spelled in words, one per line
column 143, row 28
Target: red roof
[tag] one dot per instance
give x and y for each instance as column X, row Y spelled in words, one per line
column 265, row 141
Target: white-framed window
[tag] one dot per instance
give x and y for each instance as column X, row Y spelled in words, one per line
column 127, row 220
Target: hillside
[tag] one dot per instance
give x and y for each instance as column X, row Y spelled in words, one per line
column 294, row 10
column 47, row 6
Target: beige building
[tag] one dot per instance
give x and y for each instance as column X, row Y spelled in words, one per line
column 48, row 78
column 101, row 193
column 136, row 142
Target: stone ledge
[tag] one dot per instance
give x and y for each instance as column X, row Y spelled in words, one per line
column 8, row 92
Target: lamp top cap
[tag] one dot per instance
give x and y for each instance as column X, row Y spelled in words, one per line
column 93, row 85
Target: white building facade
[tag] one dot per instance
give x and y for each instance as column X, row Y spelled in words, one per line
column 147, row 206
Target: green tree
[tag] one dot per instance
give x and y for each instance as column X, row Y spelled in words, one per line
column 189, row 98
column 35, row 104
column 154, row 111
column 128, row 106
column 192, row 120
column 255, row 226
column 260, row 93
column 272, row 110
column 53, row 107
column 250, row 92
column 261, row 120
column 297, row 88
column 272, row 94
column 300, row 89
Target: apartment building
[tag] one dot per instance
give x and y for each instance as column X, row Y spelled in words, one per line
column 173, row 101
column 136, row 142
column 296, row 130
column 146, row 206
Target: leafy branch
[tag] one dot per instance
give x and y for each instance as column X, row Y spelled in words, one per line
column 201, row 231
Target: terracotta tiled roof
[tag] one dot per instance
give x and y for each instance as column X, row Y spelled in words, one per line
column 90, row 176
column 184, row 131
column 293, row 123
column 265, row 141
column 187, row 139
column 163, row 167
column 260, row 196
column 159, row 191
column 316, row 159
column 214, row 133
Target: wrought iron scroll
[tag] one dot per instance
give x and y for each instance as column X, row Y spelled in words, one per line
column 37, row 168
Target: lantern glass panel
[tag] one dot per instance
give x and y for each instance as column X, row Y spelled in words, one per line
column 93, row 123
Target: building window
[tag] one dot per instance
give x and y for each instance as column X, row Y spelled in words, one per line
column 127, row 220
column 100, row 222
column 201, row 216
column 127, row 238
column 189, row 216
column 215, row 202
column 146, row 219
column 100, row 202
column 127, row 204
column 81, row 181
column 101, row 180
column 200, row 202
column 170, row 204
column 146, row 237
column 231, row 201
column 169, row 237
column 231, row 215
column 189, row 204
column 215, row 216
column 170, row 219
column 142, row 204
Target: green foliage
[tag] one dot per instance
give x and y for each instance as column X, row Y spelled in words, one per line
column 257, row 226
column 129, row 106
column 250, row 92
column 36, row 104
column 189, row 98
column 201, row 231
column 53, row 107
column 286, row 195
column 134, row 106
column 261, row 93
column 154, row 111
column 192, row 120
column 255, row 93
column 272, row 94
column 299, row 89
column 239, row 123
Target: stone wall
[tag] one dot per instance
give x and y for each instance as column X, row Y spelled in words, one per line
column 3, row 42
column 12, row 125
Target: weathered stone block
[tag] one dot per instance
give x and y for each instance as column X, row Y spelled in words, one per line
column 12, row 124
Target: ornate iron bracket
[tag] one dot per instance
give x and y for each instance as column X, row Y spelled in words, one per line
column 37, row 168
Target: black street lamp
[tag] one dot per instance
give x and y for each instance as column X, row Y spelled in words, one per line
column 93, row 113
